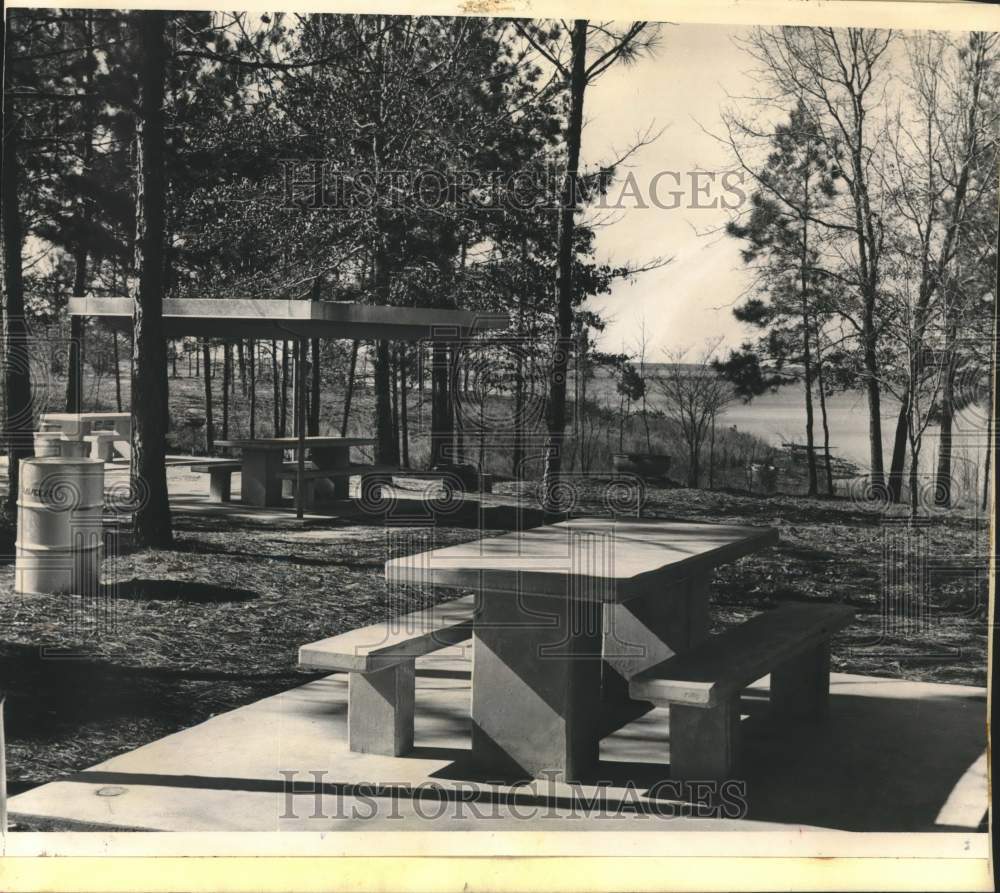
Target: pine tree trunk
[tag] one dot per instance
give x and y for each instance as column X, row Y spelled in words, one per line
column 991, row 410
column 74, row 378
column 17, row 375
column 457, row 423
column 806, row 352
column 275, row 390
column 242, row 364
column 227, row 362
column 283, row 425
column 990, row 436
column 206, row 365
column 874, row 392
column 349, row 393
column 404, row 424
column 74, row 371
column 810, row 415
column 152, row 525
column 252, row 359
column 556, row 408
column 442, row 428
column 314, row 388
column 942, row 489
column 386, row 441
column 822, row 409
column 517, row 456
column 301, row 346
column 118, row 372
column 482, row 430
column 386, row 444
column 394, row 390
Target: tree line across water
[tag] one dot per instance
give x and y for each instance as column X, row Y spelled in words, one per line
column 195, row 154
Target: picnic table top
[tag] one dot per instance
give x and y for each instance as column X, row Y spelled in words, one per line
column 73, row 416
column 610, row 560
column 288, row 443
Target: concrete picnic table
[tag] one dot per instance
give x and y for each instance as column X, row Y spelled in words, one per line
column 557, row 603
column 262, row 460
column 79, row 424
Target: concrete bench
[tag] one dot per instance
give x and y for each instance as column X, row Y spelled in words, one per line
column 702, row 686
column 381, row 662
column 310, row 475
column 219, row 478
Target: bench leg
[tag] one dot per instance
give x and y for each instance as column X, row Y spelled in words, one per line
column 220, row 487
column 704, row 743
column 380, row 710
column 800, row 687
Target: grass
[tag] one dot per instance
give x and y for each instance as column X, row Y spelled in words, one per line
column 215, row 622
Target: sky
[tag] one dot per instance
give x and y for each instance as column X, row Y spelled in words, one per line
column 681, row 88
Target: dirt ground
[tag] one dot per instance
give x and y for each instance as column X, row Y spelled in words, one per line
column 216, row 621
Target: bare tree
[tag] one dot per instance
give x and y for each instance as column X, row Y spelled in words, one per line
column 918, row 379
column 577, row 70
column 839, row 76
column 693, row 396
column 944, row 156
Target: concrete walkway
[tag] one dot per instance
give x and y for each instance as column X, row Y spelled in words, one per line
column 893, row 756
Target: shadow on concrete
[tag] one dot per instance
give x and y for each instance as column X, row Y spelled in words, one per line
column 868, row 757
column 492, row 792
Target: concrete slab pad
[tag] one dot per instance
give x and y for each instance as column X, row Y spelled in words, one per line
column 893, row 756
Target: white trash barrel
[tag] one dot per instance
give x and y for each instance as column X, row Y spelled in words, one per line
column 74, row 449
column 59, row 530
column 47, row 443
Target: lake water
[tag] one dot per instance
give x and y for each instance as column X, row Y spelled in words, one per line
column 781, row 417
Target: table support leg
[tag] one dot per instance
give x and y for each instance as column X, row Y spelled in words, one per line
column 535, row 686
column 260, row 485
column 333, row 457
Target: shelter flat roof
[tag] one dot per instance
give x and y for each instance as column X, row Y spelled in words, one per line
column 270, row 319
